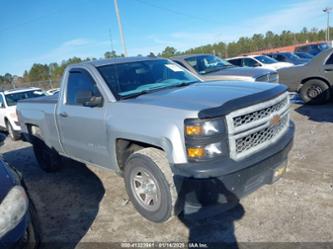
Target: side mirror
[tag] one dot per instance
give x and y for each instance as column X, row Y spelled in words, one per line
column 2, row 105
column 257, row 64
column 86, row 98
column 94, row 102
column 83, row 97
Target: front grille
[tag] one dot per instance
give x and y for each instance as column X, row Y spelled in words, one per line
column 260, row 114
column 251, row 129
column 253, row 140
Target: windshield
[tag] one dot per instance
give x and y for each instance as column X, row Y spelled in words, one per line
column 265, row 59
column 207, row 63
column 304, row 55
column 291, row 56
column 323, row 46
column 127, row 79
column 13, row 98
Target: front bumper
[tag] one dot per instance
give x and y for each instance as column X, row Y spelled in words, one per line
column 227, row 182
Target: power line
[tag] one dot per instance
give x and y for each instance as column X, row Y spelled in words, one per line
column 32, row 20
column 176, row 12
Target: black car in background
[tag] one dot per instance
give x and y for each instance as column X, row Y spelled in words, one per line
column 304, row 55
column 18, row 221
column 313, row 49
column 288, row 57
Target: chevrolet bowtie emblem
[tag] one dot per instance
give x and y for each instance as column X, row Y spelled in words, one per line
column 276, row 120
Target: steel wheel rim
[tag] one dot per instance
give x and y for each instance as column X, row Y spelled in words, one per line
column 145, row 189
column 314, row 92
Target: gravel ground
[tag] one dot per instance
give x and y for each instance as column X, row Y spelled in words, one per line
column 89, row 204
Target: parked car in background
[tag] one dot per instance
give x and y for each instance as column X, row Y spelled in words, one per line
column 288, row 57
column 313, row 49
column 18, row 219
column 304, row 55
column 258, row 61
column 52, row 91
column 8, row 101
column 162, row 128
column 313, row 80
column 210, row 67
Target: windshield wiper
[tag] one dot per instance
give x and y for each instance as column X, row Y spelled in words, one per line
column 134, row 95
column 186, row 83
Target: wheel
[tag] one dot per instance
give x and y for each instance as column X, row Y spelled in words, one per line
column 315, row 92
column 14, row 135
column 48, row 159
column 149, row 184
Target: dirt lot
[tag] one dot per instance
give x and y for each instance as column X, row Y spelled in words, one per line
column 88, row 204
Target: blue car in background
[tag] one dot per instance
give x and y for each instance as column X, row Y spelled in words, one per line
column 18, row 221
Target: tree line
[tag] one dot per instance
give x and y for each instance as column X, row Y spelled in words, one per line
column 54, row 71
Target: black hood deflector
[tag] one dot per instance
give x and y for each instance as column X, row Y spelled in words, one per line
column 242, row 102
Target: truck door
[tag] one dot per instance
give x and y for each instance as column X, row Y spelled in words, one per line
column 81, row 119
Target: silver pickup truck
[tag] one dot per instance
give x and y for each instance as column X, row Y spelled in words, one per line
column 180, row 143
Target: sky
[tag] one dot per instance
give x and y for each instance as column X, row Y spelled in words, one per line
column 46, row 31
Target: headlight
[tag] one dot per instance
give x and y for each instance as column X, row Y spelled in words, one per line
column 194, row 127
column 12, row 209
column 204, row 138
column 204, row 152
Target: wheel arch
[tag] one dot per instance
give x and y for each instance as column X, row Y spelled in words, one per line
column 315, row 78
column 126, row 147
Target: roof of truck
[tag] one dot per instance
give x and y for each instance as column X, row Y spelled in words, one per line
column 104, row 62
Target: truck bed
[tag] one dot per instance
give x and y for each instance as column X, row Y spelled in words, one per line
column 40, row 112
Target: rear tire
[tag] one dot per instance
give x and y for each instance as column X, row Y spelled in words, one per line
column 14, row 135
column 315, row 92
column 48, row 159
column 149, row 184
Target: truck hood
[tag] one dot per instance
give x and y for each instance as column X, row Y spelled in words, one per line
column 241, row 71
column 206, row 95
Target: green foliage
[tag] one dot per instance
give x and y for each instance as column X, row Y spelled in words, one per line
column 169, row 52
column 54, row 71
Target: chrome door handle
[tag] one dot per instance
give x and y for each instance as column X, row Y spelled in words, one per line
column 63, row 114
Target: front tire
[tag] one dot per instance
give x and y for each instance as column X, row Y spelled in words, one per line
column 315, row 92
column 149, row 184
column 48, row 159
column 14, row 135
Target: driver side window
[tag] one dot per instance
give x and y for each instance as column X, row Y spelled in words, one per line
column 82, row 90
column 250, row 62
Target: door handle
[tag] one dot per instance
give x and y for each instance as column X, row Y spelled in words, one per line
column 63, row 114
column 328, row 69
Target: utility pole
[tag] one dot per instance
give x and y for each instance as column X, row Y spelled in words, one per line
column 120, row 27
column 328, row 11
